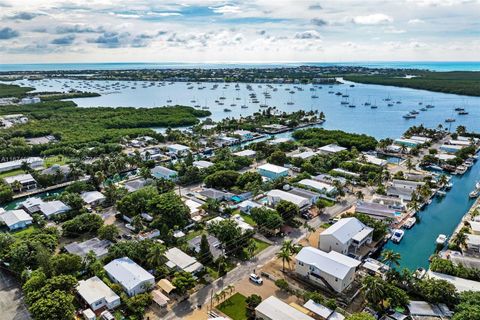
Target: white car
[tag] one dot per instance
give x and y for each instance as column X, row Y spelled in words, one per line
column 256, row 279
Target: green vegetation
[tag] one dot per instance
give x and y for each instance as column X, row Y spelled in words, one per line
column 458, row 82
column 447, row 267
column 235, row 307
column 12, row 90
column 318, row 137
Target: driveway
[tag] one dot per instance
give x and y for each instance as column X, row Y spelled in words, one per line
column 12, row 306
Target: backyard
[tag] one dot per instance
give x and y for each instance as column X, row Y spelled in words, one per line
column 234, row 307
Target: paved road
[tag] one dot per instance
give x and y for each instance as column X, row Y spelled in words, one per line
column 12, row 306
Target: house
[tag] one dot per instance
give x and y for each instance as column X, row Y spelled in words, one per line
column 346, row 235
column 319, row 186
column 347, row 173
column 177, row 259
column 403, row 189
column 274, row 196
column 247, row 205
column 194, row 206
column 243, row 134
column 97, row 294
column 21, row 182
column 272, row 171
column 410, row 143
column 241, row 223
column 332, row 270
column 202, row 164
column 373, row 160
column 450, row 148
column 41, row 140
column 376, row 210
column 460, row 284
column 223, row 140
column 321, row 312
column 16, row 219
column 48, row 209
column 213, row 243
column 307, row 194
column 211, row 193
column 95, row 245
column 133, row 278
column 473, row 243
column 245, row 153
column 30, row 100
column 304, row 155
column 424, row 310
column 279, row 140
column 134, row 185
column 475, row 227
column 160, row 172
column 374, row 267
column 56, row 169
column 273, row 308
column 93, row 198
column 178, row 149
column 330, row 148
column 33, row 162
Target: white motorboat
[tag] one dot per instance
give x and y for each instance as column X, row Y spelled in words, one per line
column 397, row 235
column 441, row 239
column 410, row 222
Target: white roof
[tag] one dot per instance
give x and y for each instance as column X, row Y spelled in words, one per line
column 194, row 206
column 348, row 228
column 12, row 217
column 320, row 186
column 127, row 273
column 374, row 160
column 299, row 201
column 332, row 263
column 34, row 161
column 202, row 164
column 445, row 156
column 332, row 148
column 276, row 309
column 182, row 260
column 473, row 239
column 304, row 155
column 92, row 196
column 53, row 207
column 245, row 153
column 242, row 132
column 22, row 178
column 272, row 168
column 249, row 204
column 421, row 139
column 31, row 202
column 459, row 283
column 475, row 225
column 318, row 309
column 94, row 289
column 279, row 140
column 178, row 147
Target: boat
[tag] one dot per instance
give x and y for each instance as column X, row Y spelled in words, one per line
column 414, row 112
column 227, row 110
column 441, row 239
column 449, row 120
column 410, row 222
column 397, row 235
column 462, row 113
column 441, row 193
column 474, row 194
column 423, row 109
column 459, row 109
column 409, row 116
column 420, row 273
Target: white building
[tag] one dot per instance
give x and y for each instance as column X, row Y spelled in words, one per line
column 33, row 162
column 274, row 196
column 245, row 153
column 304, row 155
column 180, row 260
column 318, row 185
column 48, row 209
column 93, row 198
column 30, row 100
column 345, row 236
column 331, row 148
column 273, row 308
column 473, row 243
column 322, row 312
column 178, row 149
column 16, row 219
column 247, row 205
column 272, row 171
column 373, row 160
column 97, row 294
column 21, row 182
column 160, row 172
column 332, row 270
column 202, row 164
column 133, row 278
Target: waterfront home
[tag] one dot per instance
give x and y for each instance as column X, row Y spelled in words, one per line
column 247, row 205
column 160, row 172
column 375, row 268
column 178, row 149
column 461, row 143
column 30, row 100
column 223, row 141
column 33, row 162
column 345, row 236
column 473, row 244
column 319, row 186
column 332, row 270
column 373, row 160
column 449, row 148
column 410, row 143
column 344, row 172
column 376, row 210
column 460, row 284
column 177, row 259
column 475, row 227
column 243, row 134
column 321, row 312
column 48, row 209
column 21, row 182
column 275, row 196
column 424, row 310
column 307, row 194
column 445, row 156
column 304, row 155
column 272, row 171
column 274, row 127
column 93, row 198
column 15, row 219
column 403, row 189
column 330, row 148
column 202, row 164
column 421, row 139
column 245, row 153
column 135, row 185
column 95, row 245
column 97, row 294
column 56, row 170
column 279, row 140
column 214, row 244
column 129, row 275
column 273, row 308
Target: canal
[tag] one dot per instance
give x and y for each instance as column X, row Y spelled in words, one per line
column 440, row 217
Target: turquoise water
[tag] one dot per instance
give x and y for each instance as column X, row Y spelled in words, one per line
column 440, row 217
column 430, row 65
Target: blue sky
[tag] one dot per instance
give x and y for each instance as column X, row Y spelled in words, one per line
column 35, row 31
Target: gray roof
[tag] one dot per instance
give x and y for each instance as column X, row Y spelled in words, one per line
column 346, row 229
column 276, row 309
column 213, row 242
column 375, row 209
column 182, row 260
column 163, row 171
column 99, row 247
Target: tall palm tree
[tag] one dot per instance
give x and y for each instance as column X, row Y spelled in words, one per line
column 251, row 247
column 359, row 195
column 460, row 239
column 286, row 256
column 155, row 256
column 373, row 289
column 443, row 180
column 390, row 258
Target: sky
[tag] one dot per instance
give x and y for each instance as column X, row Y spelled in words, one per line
column 57, row 31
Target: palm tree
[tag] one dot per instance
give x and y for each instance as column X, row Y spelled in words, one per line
column 286, row 256
column 443, row 180
column 460, row 239
column 155, row 256
column 216, row 297
column 389, row 257
column 413, row 204
column 359, row 195
column 410, row 166
column 290, row 246
column 230, row 288
column 373, row 289
column 251, row 247
column 403, row 148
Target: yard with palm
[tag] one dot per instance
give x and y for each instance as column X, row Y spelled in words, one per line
column 234, row 307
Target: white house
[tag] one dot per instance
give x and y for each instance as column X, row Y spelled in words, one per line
column 133, row 278
column 345, row 235
column 272, row 171
column 245, row 153
column 330, row 148
column 247, row 205
column 304, row 155
column 373, row 160
column 182, row 261
column 16, row 219
column 160, row 172
column 332, row 270
column 97, row 294
column 322, row 312
column 273, row 308
column 93, row 198
column 243, row 134
column 21, row 182
column 274, row 196
column 33, row 162
column 178, row 149
column 202, row 164
column 321, row 187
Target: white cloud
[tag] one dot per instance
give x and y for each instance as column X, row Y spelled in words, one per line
column 373, row 19
column 416, row 21
column 227, row 9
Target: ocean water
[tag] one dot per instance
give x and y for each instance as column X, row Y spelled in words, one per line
column 429, row 65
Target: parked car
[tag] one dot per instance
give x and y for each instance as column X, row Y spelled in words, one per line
column 256, row 279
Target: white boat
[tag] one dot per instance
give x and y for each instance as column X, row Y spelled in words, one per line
column 397, row 235
column 474, row 194
column 410, row 222
column 420, row 273
column 441, row 239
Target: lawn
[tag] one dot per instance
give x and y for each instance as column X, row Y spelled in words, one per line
column 50, row 161
column 11, row 173
column 261, row 245
column 189, row 236
column 24, row 232
column 248, row 219
column 234, row 307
